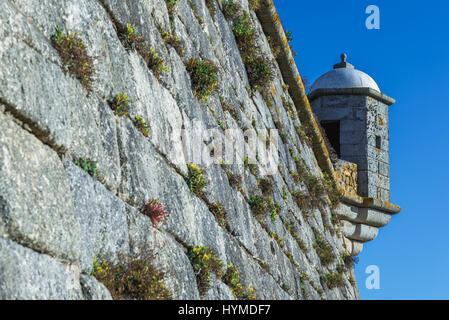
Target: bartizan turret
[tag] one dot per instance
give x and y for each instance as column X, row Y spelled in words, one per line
column 354, row 114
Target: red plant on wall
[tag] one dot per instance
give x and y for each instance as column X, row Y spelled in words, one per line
column 153, row 209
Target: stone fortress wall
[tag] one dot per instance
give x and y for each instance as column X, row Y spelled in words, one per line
column 56, row 219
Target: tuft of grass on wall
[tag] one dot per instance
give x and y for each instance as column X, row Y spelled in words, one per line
column 131, row 279
column 133, row 40
column 258, row 67
column 323, row 249
column 196, row 180
column 232, row 279
column 120, row 104
column 204, row 76
column 173, row 41
column 204, row 261
column 87, row 165
column 74, row 56
column 333, row 280
column 171, row 5
column 254, row 4
column 142, row 125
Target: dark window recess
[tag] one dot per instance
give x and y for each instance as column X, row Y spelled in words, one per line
column 378, row 142
column 332, row 129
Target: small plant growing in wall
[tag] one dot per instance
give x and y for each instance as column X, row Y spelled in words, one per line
column 303, row 201
column 87, row 165
column 254, row 4
column 171, row 5
column 131, row 279
column 230, row 9
column 204, row 260
column 204, row 76
column 195, row 179
column 74, row 56
column 156, row 63
column 265, row 186
column 173, row 41
column 219, row 213
column 195, row 12
column 210, row 4
column 333, row 280
column 274, row 210
column 133, row 40
column 120, row 105
column 142, row 126
column 258, row 67
column 154, row 210
column 258, row 205
column 232, row 279
column 323, row 249
column 331, row 189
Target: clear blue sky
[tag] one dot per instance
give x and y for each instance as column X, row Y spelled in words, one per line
column 409, row 59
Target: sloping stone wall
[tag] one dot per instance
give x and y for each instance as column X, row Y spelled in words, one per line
column 55, row 218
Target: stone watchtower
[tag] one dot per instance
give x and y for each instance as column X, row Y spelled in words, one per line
column 354, row 114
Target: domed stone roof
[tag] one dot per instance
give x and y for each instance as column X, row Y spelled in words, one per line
column 344, row 76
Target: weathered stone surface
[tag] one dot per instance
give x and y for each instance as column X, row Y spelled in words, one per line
column 35, row 89
column 28, row 275
column 36, row 207
column 168, row 255
column 101, row 218
column 93, row 290
column 101, row 215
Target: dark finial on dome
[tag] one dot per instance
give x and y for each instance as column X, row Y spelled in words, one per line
column 343, row 63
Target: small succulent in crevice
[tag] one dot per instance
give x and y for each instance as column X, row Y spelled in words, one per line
column 196, row 180
column 219, row 213
column 156, row 63
column 204, row 260
column 131, row 279
column 330, row 186
column 230, row 9
column 265, row 186
column 295, row 176
column 154, row 210
column 258, row 205
column 74, row 56
column 235, row 180
column 210, row 4
column 120, row 105
column 133, row 40
column 323, row 249
column 277, row 238
column 232, row 280
column 204, row 76
column 173, row 41
column 171, row 5
column 254, row 4
column 349, row 260
column 333, row 280
column 303, row 201
column 87, row 165
column 274, row 210
column 231, row 109
column 195, row 12
column 258, row 67
column 142, row 126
